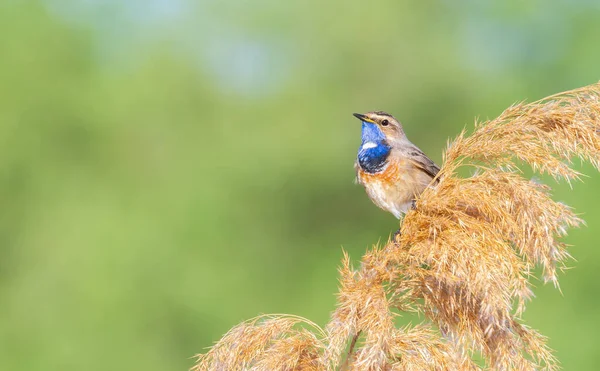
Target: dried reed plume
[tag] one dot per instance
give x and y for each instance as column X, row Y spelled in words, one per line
column 464, row 260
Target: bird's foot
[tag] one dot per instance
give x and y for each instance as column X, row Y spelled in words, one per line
column 396, row 237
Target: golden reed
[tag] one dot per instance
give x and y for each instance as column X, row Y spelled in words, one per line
column 463, row 260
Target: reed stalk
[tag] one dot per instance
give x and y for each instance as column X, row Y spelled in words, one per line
column 464, row 260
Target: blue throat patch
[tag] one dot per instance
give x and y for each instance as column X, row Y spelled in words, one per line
column 374, row 149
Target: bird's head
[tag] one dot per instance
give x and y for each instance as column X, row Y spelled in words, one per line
column 379, row 131
column 379, row 126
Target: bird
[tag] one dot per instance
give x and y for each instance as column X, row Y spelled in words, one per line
column 393, row 171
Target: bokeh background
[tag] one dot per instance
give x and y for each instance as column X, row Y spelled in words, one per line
column 171, row 168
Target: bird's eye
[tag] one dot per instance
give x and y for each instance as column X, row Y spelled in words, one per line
column 385, row 123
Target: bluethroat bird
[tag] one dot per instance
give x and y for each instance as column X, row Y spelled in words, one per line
column 392, row 169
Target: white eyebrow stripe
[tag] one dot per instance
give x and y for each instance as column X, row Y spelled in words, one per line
column 369, row 145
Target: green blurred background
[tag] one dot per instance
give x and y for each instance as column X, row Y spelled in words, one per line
column 171, row 168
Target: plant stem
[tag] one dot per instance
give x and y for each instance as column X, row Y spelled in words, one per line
column 349, row 354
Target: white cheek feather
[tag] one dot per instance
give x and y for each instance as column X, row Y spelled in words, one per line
column 369, row 145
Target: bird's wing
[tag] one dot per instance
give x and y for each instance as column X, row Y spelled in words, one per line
column 422, row 162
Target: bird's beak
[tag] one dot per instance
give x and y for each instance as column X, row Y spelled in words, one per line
column 362, row 117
